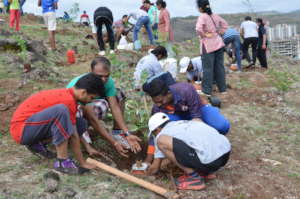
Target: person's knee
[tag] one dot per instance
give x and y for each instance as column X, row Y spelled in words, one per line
column 61, row 109
column 212, row 117
column 223, row 127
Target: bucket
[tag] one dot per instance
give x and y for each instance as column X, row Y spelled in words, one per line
column 71, row 56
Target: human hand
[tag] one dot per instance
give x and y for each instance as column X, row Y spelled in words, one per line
column 93, row 152
column 133, row 141
column 152, row 169
column 264, row 47
column 121, row 149
column 208, row 35
column 87, row 165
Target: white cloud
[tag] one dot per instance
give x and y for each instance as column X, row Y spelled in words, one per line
column 176, row 7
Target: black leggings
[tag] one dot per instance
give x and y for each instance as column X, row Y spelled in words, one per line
column 110, row 33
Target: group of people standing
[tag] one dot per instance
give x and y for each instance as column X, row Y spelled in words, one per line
column 254, row 35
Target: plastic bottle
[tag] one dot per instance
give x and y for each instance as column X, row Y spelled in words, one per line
column 71, row 56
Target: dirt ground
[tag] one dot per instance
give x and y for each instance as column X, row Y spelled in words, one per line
column 265, row 132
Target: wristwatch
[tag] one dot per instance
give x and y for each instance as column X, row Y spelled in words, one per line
column 126, row 134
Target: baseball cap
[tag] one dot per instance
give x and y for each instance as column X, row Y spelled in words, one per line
column 157, row 120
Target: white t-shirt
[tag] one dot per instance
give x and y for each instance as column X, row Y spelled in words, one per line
column 250, row 29
column 208, row 143
column 136, row 15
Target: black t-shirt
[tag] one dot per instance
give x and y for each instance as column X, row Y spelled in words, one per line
column 103, row 13
column 261, row 32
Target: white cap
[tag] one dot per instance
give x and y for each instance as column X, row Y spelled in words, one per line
column 184, row 64
column 156, row 120
column 150, row 50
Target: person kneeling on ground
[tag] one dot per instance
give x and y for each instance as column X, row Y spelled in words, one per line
column 182, row 102
column 97, row 109
column 51, row 115
column 194, row 147
column 193, row 69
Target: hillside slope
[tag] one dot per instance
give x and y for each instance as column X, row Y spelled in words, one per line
column 263, row 107
column 185, row 27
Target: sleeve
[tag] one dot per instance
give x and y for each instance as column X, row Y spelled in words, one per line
column 155, row 109
column 172, row 68
column 138, row 72
column 110, row 89
column 199, row 27
column 151, row 146
column 73, row 111
column 193, row 102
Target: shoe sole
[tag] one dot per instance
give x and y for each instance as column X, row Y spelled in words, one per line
column 193, row 188
column 40, row 155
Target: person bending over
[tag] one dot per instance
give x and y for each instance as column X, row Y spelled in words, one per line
column 103, row 16
column 96, row 110
column 196, row 148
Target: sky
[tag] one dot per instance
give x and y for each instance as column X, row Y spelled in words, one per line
column 176, row 7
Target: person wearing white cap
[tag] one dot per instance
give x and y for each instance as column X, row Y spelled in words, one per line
column 196, row 148
column 192, row 68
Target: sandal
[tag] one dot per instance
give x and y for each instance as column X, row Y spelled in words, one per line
column 190, row 183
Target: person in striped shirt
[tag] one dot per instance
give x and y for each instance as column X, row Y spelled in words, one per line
column 232, row 36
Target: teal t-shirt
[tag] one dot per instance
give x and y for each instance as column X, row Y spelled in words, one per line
column 110, row 89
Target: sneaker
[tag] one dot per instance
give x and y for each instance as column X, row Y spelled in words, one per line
column 101, row 53
column 190, row 183
column 41, row 151
column 112, row 52
column 211, row 176
column 68, row 166
column 119, row 137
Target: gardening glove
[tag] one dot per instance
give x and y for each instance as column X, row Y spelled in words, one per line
column 133, row 141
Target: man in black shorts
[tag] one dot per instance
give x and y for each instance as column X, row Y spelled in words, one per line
column 196, row 148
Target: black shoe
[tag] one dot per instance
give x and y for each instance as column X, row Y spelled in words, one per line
column 41, row 151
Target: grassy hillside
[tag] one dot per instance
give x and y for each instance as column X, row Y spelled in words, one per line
column 185, row 27
column 262, row 106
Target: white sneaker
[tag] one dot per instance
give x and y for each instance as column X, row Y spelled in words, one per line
column 112, row 52
column 102, row 53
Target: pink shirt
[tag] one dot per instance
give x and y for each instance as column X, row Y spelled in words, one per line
column 205, row 24
column 164, row 24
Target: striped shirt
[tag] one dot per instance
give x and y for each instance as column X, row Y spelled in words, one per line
column 230, row 32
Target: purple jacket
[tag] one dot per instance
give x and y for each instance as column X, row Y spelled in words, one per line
column 186, row 101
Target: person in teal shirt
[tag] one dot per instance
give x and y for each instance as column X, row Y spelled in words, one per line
column 91, row 113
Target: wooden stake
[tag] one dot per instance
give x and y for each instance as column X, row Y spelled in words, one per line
column 147, row 185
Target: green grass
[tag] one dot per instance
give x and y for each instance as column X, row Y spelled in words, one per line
column 282, row 80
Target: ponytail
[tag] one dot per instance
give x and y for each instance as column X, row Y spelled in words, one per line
column 204, row 5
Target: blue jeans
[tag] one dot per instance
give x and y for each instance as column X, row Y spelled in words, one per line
column 210, row 116
column 143, row 21
column 236, row 41
column 21, row 6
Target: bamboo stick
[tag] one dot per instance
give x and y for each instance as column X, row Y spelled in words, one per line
column 147, row 185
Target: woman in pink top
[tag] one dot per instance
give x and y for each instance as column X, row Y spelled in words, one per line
column 164, row 24
column 210, row 27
